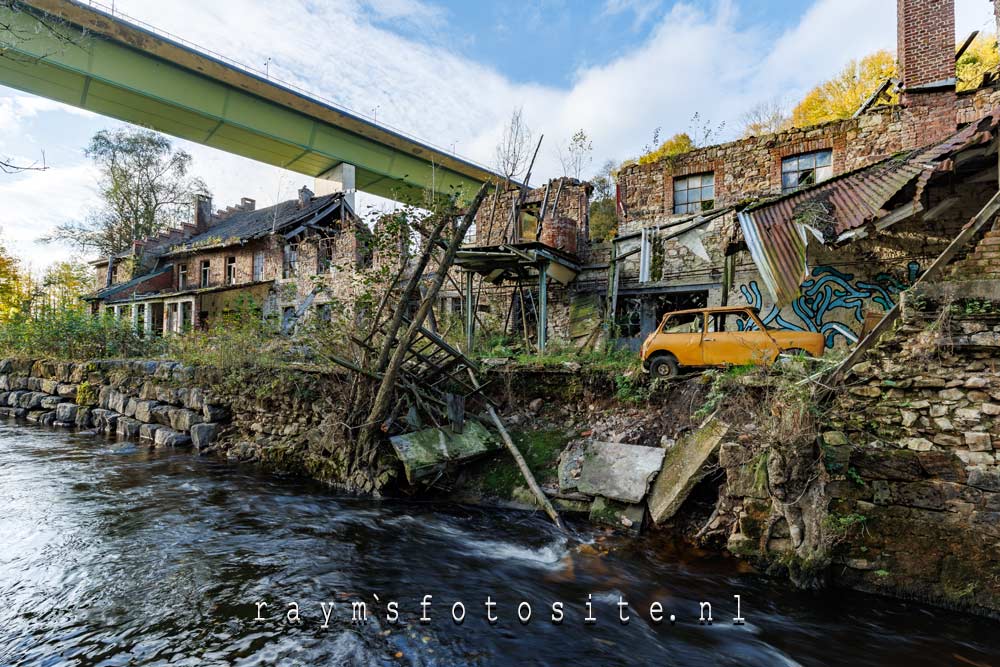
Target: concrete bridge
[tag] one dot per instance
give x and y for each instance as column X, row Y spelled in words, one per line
column 88, row 58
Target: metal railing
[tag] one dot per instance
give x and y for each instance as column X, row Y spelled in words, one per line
column 265, row 74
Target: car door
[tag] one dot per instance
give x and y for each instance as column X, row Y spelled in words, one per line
column 680, row 334
column 735, row 337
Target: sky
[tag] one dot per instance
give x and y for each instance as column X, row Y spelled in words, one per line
column 451, row 71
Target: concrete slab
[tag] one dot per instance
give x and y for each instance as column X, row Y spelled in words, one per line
column 425, row 452
column 682, row 469
column 618, row 471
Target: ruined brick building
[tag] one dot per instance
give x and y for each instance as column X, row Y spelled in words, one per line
column 797, row 223
column 819, row 227
column 272, row 258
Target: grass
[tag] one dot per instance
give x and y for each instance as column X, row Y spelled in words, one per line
column 499, row 476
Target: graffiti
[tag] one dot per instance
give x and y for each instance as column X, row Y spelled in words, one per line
column 831, row 300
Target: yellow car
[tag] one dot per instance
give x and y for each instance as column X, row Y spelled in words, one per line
column 720, row 336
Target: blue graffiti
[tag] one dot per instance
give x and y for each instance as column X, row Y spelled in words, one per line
column 829, row 290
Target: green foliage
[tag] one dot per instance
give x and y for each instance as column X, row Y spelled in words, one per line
column 540, row 449
column 972, row 307
column 841, row 524
column 632, row 389
column 675, row 145
column 86, row 393
column 603, row 205
column 145, row 187
column 238, row 338
column 71, row 334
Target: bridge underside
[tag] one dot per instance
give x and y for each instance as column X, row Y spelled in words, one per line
column 93, row 72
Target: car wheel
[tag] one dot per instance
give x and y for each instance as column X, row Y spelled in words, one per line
column 664, row 367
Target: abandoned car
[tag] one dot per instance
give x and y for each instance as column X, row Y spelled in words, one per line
column 720, row 336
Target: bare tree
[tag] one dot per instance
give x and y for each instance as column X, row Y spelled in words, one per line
column 576, row 156
column 514, row 149
column 7, row 166
column 765, row 117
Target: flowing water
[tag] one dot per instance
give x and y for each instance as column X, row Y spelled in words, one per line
column 113, row 554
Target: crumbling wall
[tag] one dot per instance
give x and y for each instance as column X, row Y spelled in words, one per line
column 914, row 447
column 751, row 167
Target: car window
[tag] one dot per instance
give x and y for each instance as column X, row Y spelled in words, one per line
column 685, row 323
column 731, row 322
column 745, row 323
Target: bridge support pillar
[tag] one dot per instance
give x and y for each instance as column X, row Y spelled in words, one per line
column 338, row 179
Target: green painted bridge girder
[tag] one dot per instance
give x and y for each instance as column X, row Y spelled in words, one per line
column 90, row 60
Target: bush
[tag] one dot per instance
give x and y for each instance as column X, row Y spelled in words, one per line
column 72, row 334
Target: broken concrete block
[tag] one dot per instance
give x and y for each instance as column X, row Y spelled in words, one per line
column 618, row 471
column 426, row 451
column 682, row 469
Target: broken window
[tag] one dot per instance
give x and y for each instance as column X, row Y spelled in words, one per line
column 683, row 323
column 324, row 312
column 628, row 319
column 290, row 265
column 258, row 266
column 806, row 169
column 694, row 193
column 182, row 276
column 230, row 270
column 324, row 255
column 206, row 268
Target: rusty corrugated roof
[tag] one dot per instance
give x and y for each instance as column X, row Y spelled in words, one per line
column 776, row 231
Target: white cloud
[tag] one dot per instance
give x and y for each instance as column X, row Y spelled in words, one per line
column 36, row 201
column 642, row 9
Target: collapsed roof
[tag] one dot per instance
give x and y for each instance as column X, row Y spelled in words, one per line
column 851, row 206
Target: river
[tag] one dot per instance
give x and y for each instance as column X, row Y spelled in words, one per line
column 112, row 554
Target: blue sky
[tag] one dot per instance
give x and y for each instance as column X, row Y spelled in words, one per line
column 451, row 72
column 549, row 41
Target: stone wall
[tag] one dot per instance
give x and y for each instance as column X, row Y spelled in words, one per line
column 914, row 448
column 282, row 420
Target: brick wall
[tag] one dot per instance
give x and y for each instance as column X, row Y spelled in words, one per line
column 751, row 167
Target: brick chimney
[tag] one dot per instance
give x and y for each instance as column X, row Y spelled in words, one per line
column 202, row 212
column 247, row 204
column 925, row 39
column 305, row 197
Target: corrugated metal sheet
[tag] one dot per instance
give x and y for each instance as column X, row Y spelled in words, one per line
column 776, row 231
